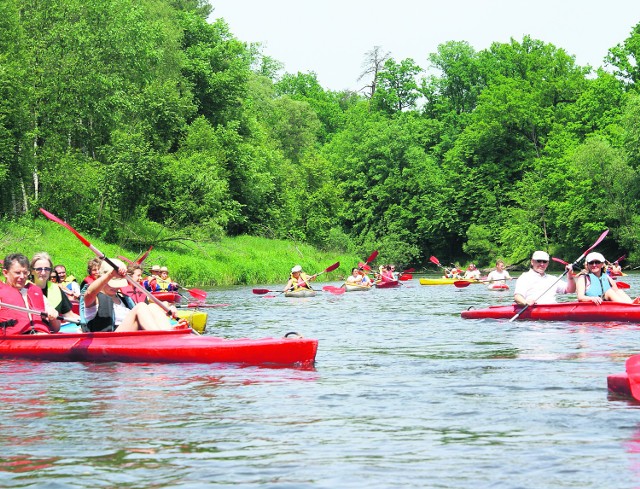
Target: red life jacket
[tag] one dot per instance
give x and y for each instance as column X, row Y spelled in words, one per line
column 27, row 323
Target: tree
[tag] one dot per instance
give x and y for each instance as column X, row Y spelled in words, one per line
column 397, row 88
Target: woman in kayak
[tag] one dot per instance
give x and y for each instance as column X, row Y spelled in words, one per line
column 298, row 280
column 41, row 270
column 105, row 308
column 358, row 277
column 93, row 271
column 595, row 286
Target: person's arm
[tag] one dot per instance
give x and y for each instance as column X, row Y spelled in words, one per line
column 289, row 285
column 571, row 280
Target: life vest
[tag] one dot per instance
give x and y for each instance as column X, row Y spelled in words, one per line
column 301, row 283
column 596, row 286
column 26, row 322
column 133, row 293
column 54, row 295
column 104, row 320
column 162, row 285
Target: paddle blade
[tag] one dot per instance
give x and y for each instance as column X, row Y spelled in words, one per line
column 434, row 260
column 53, row 218
column 124, row 258
column 331, row 268
column 198, row 294
column 461, row 283
column 405, row 276
column 372, row 256
column 558, row 260
column 623, row 285
column 409, row 270
column 261, row 291
column 328, row 288
column 144, row 256
column 334, row 290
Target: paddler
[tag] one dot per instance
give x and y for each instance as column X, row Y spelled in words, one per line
column 17, row 291
column 298, row 280
column 500, row 274
column 595, row 286
column 472, row 273
column 537, row 287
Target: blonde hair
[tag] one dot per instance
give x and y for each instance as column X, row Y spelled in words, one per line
column 42, row 255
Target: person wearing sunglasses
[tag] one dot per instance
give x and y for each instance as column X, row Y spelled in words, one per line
column 595, row 285
column 41, row 270
column 537, row 287
column 18, row 291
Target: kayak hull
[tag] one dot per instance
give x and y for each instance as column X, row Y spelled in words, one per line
column 387, row 284
column 444, row 281
column 356, row 288
column 197, row 319
column 619, row 384
column 167, row 296
column 301, row 293
column 564, row 311
column 498, row 287
column 175, row 346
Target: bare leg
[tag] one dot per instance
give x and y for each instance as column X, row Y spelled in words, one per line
column 617, row 296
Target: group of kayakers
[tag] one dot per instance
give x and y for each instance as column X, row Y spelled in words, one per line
column 107, row 301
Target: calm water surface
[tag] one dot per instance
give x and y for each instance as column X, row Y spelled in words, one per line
column 404, row 393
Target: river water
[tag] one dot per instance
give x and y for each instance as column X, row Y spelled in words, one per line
column 404, row 393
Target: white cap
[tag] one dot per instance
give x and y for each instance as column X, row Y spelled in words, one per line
column 297, row 268
column 540, row 255
column 594, row 256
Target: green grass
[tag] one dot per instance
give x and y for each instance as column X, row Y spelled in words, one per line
column 242, row 260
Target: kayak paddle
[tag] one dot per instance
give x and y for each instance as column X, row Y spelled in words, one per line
column 42, row 314
column 372, row 257
column 466, row 283
column 102, row 256
column 197, row 305
column 575, row 263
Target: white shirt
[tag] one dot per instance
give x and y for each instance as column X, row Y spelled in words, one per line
column 496, row 275
column 543, row 288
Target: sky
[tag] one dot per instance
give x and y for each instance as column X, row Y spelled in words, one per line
column 332, row 37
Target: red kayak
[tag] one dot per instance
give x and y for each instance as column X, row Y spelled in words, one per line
column 167, row 296
column 564, row 311
column 627, row 383
column 386, row 284
column 175, row 346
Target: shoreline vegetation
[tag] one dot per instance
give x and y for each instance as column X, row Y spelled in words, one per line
column 241, row 260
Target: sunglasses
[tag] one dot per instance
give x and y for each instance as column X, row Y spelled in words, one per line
column 43, row 269
column 542, row 261
column 595, row 262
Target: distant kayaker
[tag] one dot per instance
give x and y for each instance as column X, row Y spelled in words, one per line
column 500, row 274
column 162, row 282
column 155, row 272
column 358, row 277
column 537, row 287
column 17, row 291
column 106, row 308
column 298, row 280
column 595, row 286
column 472, row 273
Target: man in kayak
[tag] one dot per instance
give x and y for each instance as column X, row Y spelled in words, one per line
column 537, row 287
column 596, row 286
column 17, row 291
column 472, row 273
column 358, row 277
column 298, row 280
column 500, row 274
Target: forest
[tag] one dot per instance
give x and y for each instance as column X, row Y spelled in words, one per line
column 141, row 121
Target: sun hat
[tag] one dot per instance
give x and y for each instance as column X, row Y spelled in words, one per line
column 540, row 255
column 155, row 268
column 164, row 269
column 595, row 256
column 297, row 268
column 105, row 268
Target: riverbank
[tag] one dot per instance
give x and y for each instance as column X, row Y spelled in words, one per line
column 239, row 260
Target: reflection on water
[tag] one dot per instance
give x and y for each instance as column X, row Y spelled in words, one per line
column 404, row 394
